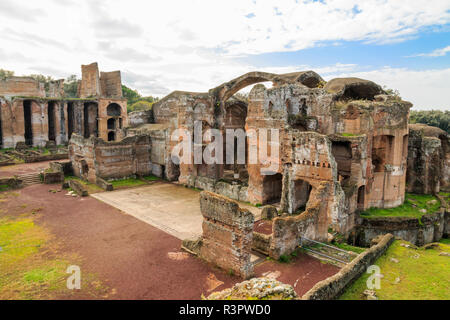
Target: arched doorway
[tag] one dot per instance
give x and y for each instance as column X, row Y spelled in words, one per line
column 70, row 119
column 302, row 191
column 111, row 136
column 90, row 119
column 342, row 152
column 235, row 141
column 27, row 115
column 111, row 124
column 51, row 121
column 272, row 188
column 361, row 196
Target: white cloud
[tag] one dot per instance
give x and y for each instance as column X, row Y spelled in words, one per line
column 435, row 53
column 162, row 46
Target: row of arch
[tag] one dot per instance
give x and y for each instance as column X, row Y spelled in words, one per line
column 90, row 120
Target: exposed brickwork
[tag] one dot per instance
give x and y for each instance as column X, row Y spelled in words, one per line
column 428, row 159
column 29, row 113
column 348, row 134
column 93, row 157
column 21, row 86
column 227, row 234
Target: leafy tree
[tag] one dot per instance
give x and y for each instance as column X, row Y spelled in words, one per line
column 44, row 79
column 140, row 105
column 71, row 86
column 435, row 118
column 131, row 95
column 392, row 92
column 134, row 98
column 5, row 74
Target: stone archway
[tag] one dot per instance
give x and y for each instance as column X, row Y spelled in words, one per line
column 228, row 89
column 90, row 113
column 114, row 110
column 302, row 192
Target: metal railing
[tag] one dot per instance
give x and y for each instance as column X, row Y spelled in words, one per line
column 321, row 253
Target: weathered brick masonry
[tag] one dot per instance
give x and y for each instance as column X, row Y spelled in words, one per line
column 227, row 234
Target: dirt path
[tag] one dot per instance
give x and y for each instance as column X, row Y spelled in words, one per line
column 9, row 171
column 137, row 260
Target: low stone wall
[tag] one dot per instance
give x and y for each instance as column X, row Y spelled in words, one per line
column 47, row 157
column 93, row 157
column 105, row 185
column 64, row 167
column 53, row 177
column 11, row 182
column 233, row 191
column 335, row 285
column 227, row 234
column 261, row 242
column 78, row 188
column 429, row 228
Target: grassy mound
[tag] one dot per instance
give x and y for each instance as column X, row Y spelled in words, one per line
column 412, row 207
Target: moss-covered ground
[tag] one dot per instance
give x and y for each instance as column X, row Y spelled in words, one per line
column 412, row 207
column 409, row 274
column 31, row 266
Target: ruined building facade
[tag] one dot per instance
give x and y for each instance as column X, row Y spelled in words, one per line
column 32, row 114
column 343, row 146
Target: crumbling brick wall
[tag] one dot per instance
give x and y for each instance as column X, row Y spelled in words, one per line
column 93, row 157
column 428, row 159
column 21, row 86
column 312, row 223
column 227, row 234
column 90, row 81
column 111, row 84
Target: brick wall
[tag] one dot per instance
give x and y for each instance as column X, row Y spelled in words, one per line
column 227, row 234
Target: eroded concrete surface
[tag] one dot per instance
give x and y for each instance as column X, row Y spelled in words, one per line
column 169, row 207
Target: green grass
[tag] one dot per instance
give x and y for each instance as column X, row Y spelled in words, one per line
column 446, row 196
column 423, row 274
column 151, row 178
column 445, row 241
column 32, row 268
column 349, row 134
column 410, row 208
column 4, row 187
column 347, row 247
column 91, row 187
column 127, row 183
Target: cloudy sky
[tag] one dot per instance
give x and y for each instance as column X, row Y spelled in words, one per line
column 194, row 45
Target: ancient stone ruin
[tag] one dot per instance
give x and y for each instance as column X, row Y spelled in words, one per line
column 340, row 147
column 34, row 115
column 343, row 145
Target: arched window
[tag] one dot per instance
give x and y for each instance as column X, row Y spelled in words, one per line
column 114, row 110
